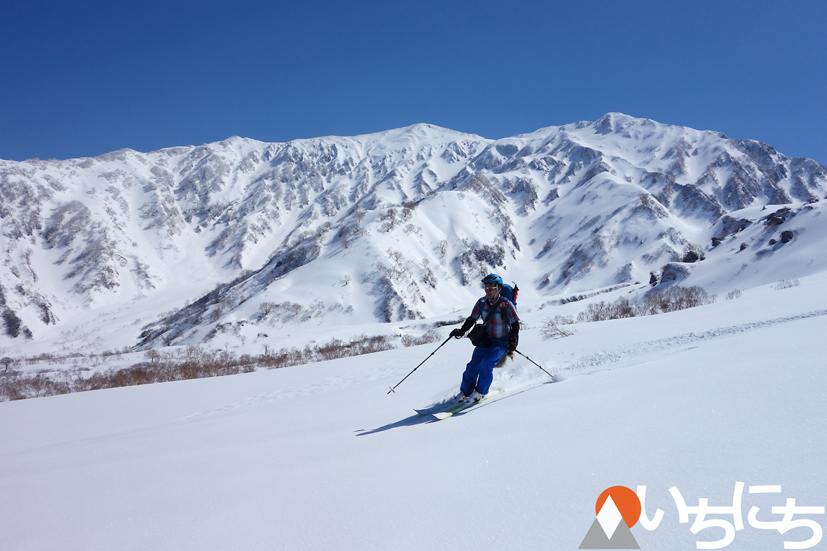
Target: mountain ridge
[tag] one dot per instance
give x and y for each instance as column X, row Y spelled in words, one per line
column 389, row 226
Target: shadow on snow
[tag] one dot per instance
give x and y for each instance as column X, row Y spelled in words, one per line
column 419, row 419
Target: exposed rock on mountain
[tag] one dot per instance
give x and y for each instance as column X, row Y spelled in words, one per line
column 384, row 227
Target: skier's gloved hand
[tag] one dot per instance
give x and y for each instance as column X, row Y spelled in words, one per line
column 511, row 345
column 458, row 333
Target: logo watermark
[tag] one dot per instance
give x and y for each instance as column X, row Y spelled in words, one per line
column 618, row 509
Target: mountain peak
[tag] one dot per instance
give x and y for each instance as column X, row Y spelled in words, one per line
column 423, row 132
column 242, row 235
column 617, row 122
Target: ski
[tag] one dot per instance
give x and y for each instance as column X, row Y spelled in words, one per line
column 464, row 406
column 454, row 409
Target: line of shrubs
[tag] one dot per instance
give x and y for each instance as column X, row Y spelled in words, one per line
column 652, row 303
column 191, row 362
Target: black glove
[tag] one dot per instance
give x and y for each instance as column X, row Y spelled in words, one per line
column 458, row 333
column 513, row 337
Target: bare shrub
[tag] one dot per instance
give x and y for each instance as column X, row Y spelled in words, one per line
column 449, row 322
column 550, row 330
column 429, row 337
column 563, row 320
column 681, row 298
column 651, row 304
column 215, row 314
column 654, row 302
column 265, row 308
column 408, row 208
column 787, row 284
column 6, row 362
column 332, row 350
column 389, row 220
column 732, row 295
column 19, row 387
column 152, row 356
column 191, row 362
column 621, row 308
column 594, row 312
column 673, row 299
column 443, row 250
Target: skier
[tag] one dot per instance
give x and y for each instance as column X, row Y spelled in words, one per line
column 498, row 334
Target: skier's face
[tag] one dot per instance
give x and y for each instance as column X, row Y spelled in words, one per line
column 491, row 290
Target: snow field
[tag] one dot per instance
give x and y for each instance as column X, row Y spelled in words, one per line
column 320, row 456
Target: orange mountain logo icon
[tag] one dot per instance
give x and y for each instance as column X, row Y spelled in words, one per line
column 617, row 509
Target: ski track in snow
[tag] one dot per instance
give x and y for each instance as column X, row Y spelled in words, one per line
column 519, row 377
column 334, row 382
column 606, row 358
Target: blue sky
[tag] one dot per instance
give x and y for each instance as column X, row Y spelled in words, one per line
column 86, row 77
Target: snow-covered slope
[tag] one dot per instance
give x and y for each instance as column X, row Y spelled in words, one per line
column 321, row 457
column 237, row 240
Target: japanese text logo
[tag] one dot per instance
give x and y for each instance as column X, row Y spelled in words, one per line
column 618, row 509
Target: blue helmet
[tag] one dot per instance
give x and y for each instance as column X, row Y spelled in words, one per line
column 492, row 278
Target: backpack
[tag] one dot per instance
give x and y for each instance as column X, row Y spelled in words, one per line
column 510, row 293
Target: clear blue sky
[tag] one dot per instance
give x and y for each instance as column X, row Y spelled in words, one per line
column 84, row 77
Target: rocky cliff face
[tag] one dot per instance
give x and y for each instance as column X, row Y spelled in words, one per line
column 382, row 227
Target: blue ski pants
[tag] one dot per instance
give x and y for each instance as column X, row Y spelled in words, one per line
column 479, row 373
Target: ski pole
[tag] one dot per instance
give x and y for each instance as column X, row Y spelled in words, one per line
column 535, row 363
column 417, row 367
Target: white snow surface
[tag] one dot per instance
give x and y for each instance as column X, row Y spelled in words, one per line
column 322, row 457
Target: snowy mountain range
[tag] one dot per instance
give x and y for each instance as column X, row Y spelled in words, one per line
column 246, row 239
